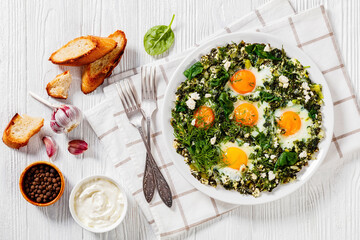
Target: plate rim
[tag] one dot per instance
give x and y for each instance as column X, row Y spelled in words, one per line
column 291, row 187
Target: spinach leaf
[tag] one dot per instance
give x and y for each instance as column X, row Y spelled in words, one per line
column 158, row 39
column 268, row 97
column 194, row 70
column 221, row 77
column 263, row 141
column 180, row 107
column 312, row 113
column 258, row 49
column 286, row 159
column 225, row 103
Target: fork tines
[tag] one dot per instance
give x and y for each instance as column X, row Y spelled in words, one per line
column 148, row 90
column 128, row 95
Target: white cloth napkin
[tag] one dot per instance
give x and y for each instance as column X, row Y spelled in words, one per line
column 309, row 30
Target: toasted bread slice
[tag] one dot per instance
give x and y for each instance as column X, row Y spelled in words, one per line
column 95, row 73
column 82, row 51
column 20, row 129
column 59, row 86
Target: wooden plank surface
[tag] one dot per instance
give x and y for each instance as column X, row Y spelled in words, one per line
column 328, row 207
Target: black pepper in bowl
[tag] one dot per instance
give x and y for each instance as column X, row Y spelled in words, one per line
column 41, row 183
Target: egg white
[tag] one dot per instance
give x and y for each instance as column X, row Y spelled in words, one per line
column 261, row 107
column 302, row 134
column 235, row 174
column 260, row 76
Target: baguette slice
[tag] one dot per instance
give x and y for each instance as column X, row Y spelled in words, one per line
column 82, row 51
column 60, row 85
column 20, row 129
column 95, row 73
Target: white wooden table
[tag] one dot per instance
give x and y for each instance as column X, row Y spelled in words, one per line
column 328, row 207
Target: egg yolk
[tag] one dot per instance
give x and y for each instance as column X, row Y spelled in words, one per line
column 243, row 81
column 290, row 122
column 247, row 114
column 204, row 117
column 235, row 157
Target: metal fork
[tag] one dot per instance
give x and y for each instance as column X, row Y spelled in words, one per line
column 148, row 105
column 135, row 115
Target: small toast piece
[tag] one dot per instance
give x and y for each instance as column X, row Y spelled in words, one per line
column 20, row 129
column 95, row 73
column 82, row 51
column 59, row 86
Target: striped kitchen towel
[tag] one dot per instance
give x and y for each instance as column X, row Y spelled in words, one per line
column 310, row 30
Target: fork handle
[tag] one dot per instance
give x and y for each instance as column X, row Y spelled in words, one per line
column 161, row 184
column 149, row 183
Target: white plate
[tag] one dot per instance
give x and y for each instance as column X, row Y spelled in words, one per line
column 233, row 196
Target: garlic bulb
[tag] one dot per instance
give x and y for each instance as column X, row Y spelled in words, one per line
column 65, row 118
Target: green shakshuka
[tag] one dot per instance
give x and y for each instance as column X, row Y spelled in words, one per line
column 247, row 117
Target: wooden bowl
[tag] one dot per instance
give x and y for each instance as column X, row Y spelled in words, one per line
column 62, row 187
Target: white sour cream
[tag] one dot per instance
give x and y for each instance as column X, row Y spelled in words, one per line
column 98, row 203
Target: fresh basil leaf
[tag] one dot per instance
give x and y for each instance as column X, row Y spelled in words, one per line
column 263, row 141
column 194, row 70
column 286, row 159
column 225, row 103
column 268, row 97
column 221, row 77
column 258, row 49
column 158, row 39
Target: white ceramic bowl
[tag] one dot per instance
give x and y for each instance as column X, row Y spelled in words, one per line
column 75, row 217
column 233, row 196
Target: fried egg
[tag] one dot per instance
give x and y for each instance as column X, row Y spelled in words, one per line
column 244, row 81
column 250, row 113
column 236, row 158
column 293, row 123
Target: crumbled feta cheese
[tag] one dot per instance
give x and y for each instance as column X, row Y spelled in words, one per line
column 273, row 156
column 266, row 155
column 213, row 140
column 202, row 81
column 263, row 175
column 276, row 144
column 303, row 154
column 256, row 94
column 175, row 144
column 284, row 80
column 254, row 133
column 227, row 65
column 193, row 122
column 247, row 135
column 253, row 176
column 207, row 95
column 190, row 103
column 256, row 192
column 194, row 96
column 271, row 175
column 213, row 75
column 246, row 144
column 267, row 48
column 307, row 98
column 305, row 86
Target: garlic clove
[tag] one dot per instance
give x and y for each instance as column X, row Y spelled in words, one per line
column 77, row 147
column 51, row 147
